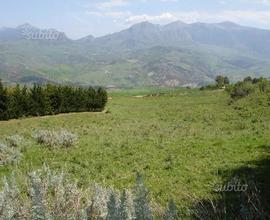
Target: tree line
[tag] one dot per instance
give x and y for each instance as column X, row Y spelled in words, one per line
column 17, row 102
column 242, row 88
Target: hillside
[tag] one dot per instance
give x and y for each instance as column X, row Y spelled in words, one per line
column 176, row 54
column 184, row 143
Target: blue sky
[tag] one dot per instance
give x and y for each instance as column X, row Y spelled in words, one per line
column 79, row 18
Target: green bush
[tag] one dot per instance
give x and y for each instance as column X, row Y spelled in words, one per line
column 241, row 90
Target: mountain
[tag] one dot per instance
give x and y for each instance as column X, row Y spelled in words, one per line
column 27, row 31
column 225, row 34
column 145, row 54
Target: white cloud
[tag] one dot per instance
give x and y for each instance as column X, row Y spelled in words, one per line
column 162, row 18
column 254, row 18
column 113, row 14
column 112, row 4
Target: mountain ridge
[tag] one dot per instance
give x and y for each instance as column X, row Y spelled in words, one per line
column 145, row 54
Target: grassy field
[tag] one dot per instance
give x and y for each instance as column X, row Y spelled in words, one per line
column 183, row 142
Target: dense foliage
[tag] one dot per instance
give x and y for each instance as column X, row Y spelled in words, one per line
column 241, row 89
column 222, row 81
column 17, row 102
column 248, row 86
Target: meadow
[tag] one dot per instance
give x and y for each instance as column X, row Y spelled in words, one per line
column 184, row 142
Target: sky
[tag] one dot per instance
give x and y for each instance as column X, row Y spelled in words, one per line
column 79, row 18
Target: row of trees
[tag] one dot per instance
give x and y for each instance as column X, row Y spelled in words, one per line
column 221, row 83
column 241, row 89
column 16, row 102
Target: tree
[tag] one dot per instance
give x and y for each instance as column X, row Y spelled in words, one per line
column 14, row 104
column 54, row 95
column 248, row 79
column 241, row 89
column 123, row 215
column 171, row 212
column 112, row 208
column 226, row 81
column 24, row 102
column 80, row 104
column 141, row 206
column 3, row 102
column 264, row 85
column 101, row 98
column 90, row 99
column 39, row 101
column 222, row 81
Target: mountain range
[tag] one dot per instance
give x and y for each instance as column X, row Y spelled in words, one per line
column 176, row 54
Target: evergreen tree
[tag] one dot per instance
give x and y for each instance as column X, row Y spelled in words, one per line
column 3, row 102
column 171, row 212
column 39, row 101
column 141, row 206
column 123, row 215
column 112, row 208
column 101, row 98
column 55, row 99
column 80, row 104
column 18, row 102
column 14, row 104
column 25, row 102
column 90, row 99
column 67, row 99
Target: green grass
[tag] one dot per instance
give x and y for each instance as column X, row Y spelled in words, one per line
column 183, row 142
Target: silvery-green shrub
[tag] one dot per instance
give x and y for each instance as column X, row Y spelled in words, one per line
column 50, row 138
column 14, row 140
column 53, row 196
column 8, row 154
column 66, row 138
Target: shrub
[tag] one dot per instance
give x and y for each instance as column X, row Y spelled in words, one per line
column 8, row 154
column 53, row 195
column 11, row 206
column 60, row 138
column 66, row 138
column 241, row 90
column 264, row 85
column 45, row 137
column 14, row 140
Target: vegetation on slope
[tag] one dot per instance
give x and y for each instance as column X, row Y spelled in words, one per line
column 184, row 142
